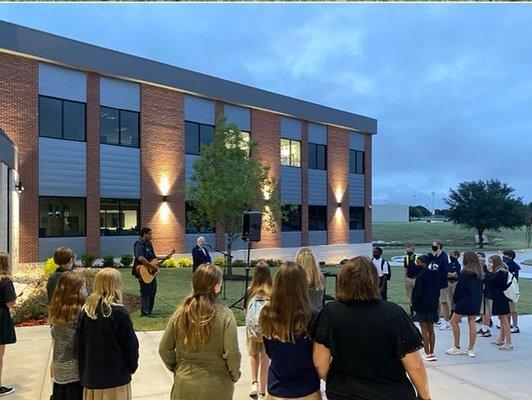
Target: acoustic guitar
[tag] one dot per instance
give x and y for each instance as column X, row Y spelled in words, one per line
column 148, row 274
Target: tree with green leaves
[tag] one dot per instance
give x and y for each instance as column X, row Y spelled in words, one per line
column 227, row 180
column 485, row 205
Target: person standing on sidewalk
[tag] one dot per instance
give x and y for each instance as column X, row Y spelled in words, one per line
column 452, row 275
column 8, row 297
column 439, row 257
column 412, row 270
column 508, row 258
column 383, row 271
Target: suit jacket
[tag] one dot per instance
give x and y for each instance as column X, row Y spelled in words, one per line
column 198, row 257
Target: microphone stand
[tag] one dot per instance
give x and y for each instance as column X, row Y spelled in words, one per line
column 229, row 260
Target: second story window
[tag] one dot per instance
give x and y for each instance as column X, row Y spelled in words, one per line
column 197, row 135
column 291, row 152
column 119, row 127
column 317, row 156
column 292, row 220
column 61, row 119
column 356, row 162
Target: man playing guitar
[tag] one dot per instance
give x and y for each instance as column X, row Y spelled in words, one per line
column 145, row 258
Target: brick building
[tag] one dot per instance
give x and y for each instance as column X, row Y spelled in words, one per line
column 107, row 141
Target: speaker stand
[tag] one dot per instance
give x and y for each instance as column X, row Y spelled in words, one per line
column 244, row 298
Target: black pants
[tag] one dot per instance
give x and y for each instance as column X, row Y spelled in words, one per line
column 384, row 288
column 147, row 296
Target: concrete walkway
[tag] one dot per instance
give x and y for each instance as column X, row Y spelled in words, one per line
column 492, row 375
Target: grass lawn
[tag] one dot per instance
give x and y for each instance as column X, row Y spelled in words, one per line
column 174, row 285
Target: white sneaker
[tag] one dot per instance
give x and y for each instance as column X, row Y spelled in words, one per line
column 515, row 329
column 454, row 351
column 470, row 353
column 445, row 327
column 254, row 389
column 261, row 397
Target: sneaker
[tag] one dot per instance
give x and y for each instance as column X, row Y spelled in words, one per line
column 479, row 320
column 498, row 327
column 4, row 391
column 491, row 323
column 470, row 353
column 506, row 347
column 445, row 327
column 454, row 351
column 496, row 343
column 432, row 357
column 261, row 396
column 480, row 331
column 485, row 334
column 515, row 329
column 254, row 390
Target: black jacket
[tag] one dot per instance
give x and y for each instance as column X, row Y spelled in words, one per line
column 468, row 295
column 108, row 349
column 199, row 258
column 443, row 267
column 426, row 292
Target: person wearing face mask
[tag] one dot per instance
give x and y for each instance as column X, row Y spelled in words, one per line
column 487, row 302
column 412, row 270
column 508, row 256
column 439, row 257
column 383, row 271
column 65, row 259
column 452, row 275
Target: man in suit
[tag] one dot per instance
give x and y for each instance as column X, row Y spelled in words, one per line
column 200, row 255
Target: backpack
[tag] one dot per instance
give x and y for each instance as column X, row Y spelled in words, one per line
column 252, row 317
column 389, row 276
column 512, row 291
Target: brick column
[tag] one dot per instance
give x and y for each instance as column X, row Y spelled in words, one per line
column 93, row 164
column 19, row 119
column 337, row 185
column 266, row 130
column 304, row 184
column 368, row 234
column 163, row 166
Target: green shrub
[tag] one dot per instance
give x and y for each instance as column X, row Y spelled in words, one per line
column 219, row 261
column 87, row 259
column 170, row 263
column 126, row 260
column 272, row 263
column 239, row 264
column 108, row 261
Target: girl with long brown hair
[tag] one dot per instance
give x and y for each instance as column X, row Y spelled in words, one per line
column 200, row 343
column 284, row 323
column 258, row 295
column 498, row 283
column 108, row 348
column 467, row 299
column 67, row 300
column 8, row 297
column 315, row 278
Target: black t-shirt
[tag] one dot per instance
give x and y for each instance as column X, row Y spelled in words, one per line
column 367, row 341
column 7, row 292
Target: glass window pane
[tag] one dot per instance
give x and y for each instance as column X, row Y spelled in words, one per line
column 360, row 162
column 321, row 218
column 129, row 128
column 50, row 117
column 295, row 153
column 352, row 161
column 311, row 155
column 285, row 152
column 206, row 134
column 50, row 222
column 321, row 157
column 73, row 121
column 191, row 138
column 73, row 217
column 293, row 218
column 109, row 129
column 129, row 217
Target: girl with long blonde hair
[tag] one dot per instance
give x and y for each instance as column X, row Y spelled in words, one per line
column 315, row 278
column 8, row 297
column 498, row 283
column 108, row 350
column 200, row 343
column 66, row 303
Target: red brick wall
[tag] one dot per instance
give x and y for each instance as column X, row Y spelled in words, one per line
column 337, row 185
column 368, row 237
column 266, row 130
column 93, row 163
column 162, row 164
column 19, row 120
column 304, row 184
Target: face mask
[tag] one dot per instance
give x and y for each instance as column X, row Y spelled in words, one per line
column 452, row 258
column 376, row 256
column 506, row 259
column 434, row 248
column 409, row 253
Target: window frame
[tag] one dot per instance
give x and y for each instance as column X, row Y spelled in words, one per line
column 120, row 126
column 357, row 211
column 62, row 225
column 62, row 119
column 314, row 215
column 198, row 132
column 290, row 157
column 357, row 155
column 119, row 212
column 316, row 146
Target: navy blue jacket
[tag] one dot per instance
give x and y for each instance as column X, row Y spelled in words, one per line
column 443, row 267
column 198, row 257
column 426, row 292
column 468, row 295
column 454, row 266
column 487, row 276
column 514, row 268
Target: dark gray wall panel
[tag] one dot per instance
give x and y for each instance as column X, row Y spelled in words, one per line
column 356, row 189
column 47, row 246
column 118, row 93
column 290, row 239
column 240, row 116
column 290, row 185
column 290, row 128
column 317, row 237
column 356, row 141
column 117, row 245
column 317, row 133
column 62, row 168
column 200, row 110
column 317, row 187
column 356, row 236
column 119, row 172
column 61, row 82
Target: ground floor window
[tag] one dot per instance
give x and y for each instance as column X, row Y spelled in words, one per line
column 119, row 217
column 317, row 218
column 61, row 216
column 292, row 220
column 195, row 222
column 356, row 218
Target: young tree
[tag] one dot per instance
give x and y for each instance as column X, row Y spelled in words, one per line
column 414, row 213
column 528, row 224
column 228, row 181
column 485, row 205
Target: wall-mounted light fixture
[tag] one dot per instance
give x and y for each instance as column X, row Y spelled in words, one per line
column 19, row 187
column 339, row 204
column 165, row 199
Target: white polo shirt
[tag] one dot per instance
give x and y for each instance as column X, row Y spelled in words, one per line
column 381, row 267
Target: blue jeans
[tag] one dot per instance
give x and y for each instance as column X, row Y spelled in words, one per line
column 147, row 296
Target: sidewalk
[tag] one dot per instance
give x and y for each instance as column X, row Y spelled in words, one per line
column 492, row 375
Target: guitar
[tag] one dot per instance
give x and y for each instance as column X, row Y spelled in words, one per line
column 148, row 274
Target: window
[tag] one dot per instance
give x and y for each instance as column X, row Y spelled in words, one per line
column 119, row 217
column 61, row 216
column 197, row 135
column 356, row 162
column 291, row 152
column 194, row 221
column 61, row 119
column 317, row 218
column 292, row 220
column 356, row 218
column 317, row 156
column 119, row 127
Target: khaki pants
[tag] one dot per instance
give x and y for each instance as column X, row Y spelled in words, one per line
column 313, row 396
column 409, row 287
column 450, row 293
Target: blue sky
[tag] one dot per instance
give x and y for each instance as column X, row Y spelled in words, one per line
column 450, row 84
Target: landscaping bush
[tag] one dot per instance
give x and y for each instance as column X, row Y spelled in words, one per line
column 126, row 260
column 271, row 262
column 170, row 263
column 239, row 264
column 87, row 259
column 184, row 262
column 108, row 261
column 220, row 262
